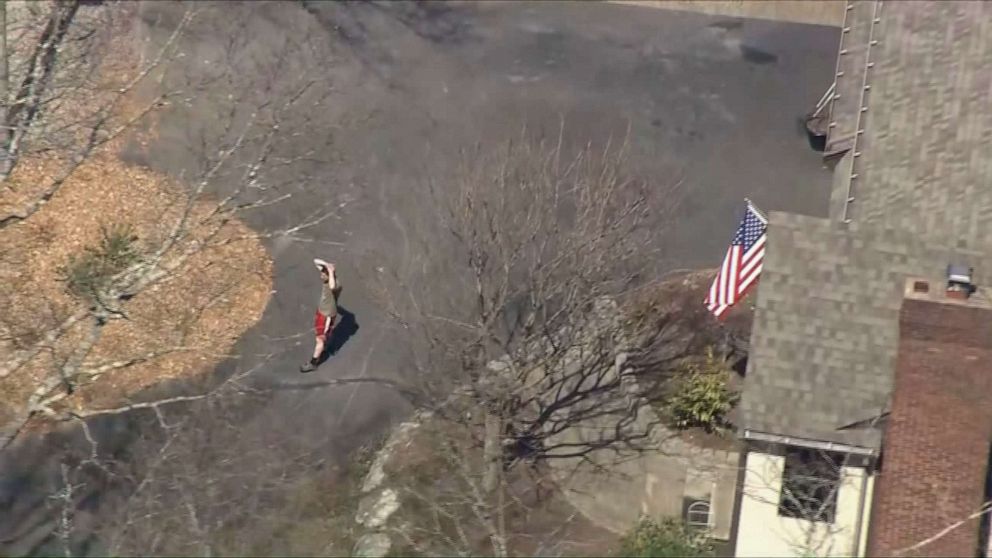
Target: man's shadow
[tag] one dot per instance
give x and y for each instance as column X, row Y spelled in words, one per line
column 346, row 327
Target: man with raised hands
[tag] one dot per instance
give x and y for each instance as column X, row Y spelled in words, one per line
column 327, row 311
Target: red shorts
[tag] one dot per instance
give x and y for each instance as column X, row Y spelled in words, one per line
column 322, row 325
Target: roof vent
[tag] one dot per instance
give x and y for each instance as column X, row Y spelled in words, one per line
column 959, row 283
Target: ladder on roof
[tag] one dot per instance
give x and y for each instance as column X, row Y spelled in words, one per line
column 852, row 54
column 862, row 108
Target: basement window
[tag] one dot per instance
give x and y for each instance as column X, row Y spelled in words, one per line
column 810, row 483
column 697, row 516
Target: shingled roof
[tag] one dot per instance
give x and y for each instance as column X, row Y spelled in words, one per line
column 913, row 194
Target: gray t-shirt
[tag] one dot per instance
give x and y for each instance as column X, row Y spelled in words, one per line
column 329, row 300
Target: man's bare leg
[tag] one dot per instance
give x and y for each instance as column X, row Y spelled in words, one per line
column 318, row 350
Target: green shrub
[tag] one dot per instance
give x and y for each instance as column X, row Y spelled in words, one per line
column 668, row 537
column 87, row 274
column 702, row 397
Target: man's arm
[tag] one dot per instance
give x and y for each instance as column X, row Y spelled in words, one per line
column 332, row 278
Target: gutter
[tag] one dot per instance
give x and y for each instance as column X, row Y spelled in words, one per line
column 803, row 442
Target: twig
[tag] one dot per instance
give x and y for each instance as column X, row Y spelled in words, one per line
column 154, row 405
column 986, row 508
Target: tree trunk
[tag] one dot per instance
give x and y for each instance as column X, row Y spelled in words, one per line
column 4, row 81
column 492, row 453
column 4, row 64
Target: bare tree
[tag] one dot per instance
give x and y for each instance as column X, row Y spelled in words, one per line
column 518, row 347
column 65, row 89
column 71, row 111
column 191, row 495
column 72, row 103
column 526, row 330
column 448, row 504
column 192, row 475
column 64, row 112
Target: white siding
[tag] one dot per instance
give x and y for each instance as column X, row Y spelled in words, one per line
column 762, row 532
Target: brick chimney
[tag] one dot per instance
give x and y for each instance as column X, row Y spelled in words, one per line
column 935, row 454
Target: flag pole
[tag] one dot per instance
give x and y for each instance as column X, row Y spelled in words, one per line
column 756, row 210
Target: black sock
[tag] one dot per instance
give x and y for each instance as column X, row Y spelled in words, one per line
column 313, row 361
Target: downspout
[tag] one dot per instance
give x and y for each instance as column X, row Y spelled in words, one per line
column 857, row 549
column 738, row 497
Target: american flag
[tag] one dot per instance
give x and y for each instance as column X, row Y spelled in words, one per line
column 742, row 264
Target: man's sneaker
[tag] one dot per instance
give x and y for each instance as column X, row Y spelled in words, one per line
column 308, row 367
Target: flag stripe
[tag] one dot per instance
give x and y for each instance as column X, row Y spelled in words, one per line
column 747, row 277
column 724, row 275
column 758, row 245
column 735, row 267
column 747, row 281
column 752, row 264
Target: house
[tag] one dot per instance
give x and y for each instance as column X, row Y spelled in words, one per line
column 861, row 435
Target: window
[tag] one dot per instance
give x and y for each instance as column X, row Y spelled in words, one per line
column 697, row 515
column 810, row 483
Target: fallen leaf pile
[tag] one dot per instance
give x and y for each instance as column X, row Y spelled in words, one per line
column 193, row 317
column 216, row 296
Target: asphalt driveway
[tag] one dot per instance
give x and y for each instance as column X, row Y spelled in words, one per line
column 715, row 102
column 712, row 101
